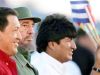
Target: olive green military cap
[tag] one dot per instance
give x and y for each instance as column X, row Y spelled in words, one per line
column 25, row 13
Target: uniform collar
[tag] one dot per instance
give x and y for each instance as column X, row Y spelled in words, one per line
column 23, row 51
column 21, row 59
column 53, row 62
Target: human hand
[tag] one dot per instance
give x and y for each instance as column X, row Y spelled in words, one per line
column 97, row 56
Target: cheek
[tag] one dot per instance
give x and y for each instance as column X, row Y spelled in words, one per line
column 22, row 31
column 12, row 38
column 68, row 44
column 15, row 35
column 23, row 34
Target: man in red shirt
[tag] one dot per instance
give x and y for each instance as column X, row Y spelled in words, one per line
column 9, row 38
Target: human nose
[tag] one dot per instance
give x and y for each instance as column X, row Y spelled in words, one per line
column 74, row 45
column 19, row 37
column 30, row 30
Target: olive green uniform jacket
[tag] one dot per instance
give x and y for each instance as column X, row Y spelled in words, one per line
column 23, row 66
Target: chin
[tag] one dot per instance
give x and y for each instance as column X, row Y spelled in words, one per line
column 14, row 51
column 27, row 43
column 69, row 58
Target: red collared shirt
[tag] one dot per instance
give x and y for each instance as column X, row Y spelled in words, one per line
column 7, row 65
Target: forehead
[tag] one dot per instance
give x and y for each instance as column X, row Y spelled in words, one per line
column 66, row 39
column 27, row 21
column 13, row 20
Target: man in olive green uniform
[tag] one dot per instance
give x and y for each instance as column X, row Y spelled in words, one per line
column 27, row 22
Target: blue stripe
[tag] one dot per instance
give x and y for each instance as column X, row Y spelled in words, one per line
column 79, row 2
column 78, row 10
column 78, row 20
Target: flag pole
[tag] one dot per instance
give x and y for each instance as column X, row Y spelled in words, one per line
column 88, row 30
column 92, row 25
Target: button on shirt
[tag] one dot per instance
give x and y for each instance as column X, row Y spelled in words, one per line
column 7, row 65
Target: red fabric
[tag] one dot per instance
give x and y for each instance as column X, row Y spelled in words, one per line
column 7, row 65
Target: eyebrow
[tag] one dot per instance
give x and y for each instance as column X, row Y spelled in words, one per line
column 27, row 23
column 24, row 22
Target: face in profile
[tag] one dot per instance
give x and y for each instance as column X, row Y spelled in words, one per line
column 63, row 50
column 26, row 30
column 10, row 37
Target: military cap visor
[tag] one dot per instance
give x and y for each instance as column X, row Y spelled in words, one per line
column 25, row 13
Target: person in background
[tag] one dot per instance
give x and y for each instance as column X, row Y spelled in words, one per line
column 55, row 45
column 86, row 41
column 27, row 22
column 9, row 39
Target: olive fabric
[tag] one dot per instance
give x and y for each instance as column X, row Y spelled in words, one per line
column 23, row 66
column 25, row 13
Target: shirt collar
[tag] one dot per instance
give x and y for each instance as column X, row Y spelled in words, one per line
column 20, row 58
column 4, row 57
column 53, row 62
column 24, row 52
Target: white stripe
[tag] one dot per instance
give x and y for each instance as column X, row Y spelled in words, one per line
column 90, row 16
column 78, row 6
column 78, row 0
column 81, row 15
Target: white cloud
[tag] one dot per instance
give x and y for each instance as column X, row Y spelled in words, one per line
column 52, row 6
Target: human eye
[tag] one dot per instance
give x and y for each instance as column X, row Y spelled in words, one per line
column 16, row 29
column 68, row 39
column 24, row 25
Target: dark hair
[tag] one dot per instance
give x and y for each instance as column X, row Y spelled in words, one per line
column 4, row 12
column 54, row 28
column 81, row 33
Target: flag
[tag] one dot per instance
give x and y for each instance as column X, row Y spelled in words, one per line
column 78, row 11
column 82, row 16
